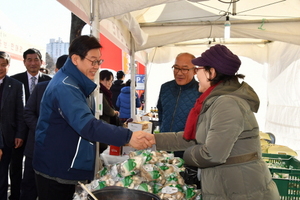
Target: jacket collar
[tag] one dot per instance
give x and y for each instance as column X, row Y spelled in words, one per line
column 192, row 82
column 85, row 84
column 234, row 88
column 118, row 82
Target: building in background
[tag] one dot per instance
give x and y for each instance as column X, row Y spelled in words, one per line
column 56, row 48
column 15, row 46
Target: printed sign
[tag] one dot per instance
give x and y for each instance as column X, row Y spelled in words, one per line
column 140, row 81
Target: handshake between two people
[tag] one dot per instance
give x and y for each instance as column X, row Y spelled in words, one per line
column 141, row 140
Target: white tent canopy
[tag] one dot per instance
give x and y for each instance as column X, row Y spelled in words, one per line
column 164, row 22
column 266, row 31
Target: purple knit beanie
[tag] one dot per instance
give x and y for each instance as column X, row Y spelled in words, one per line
column 220, row 58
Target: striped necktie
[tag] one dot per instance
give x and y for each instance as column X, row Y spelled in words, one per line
column 32, row 85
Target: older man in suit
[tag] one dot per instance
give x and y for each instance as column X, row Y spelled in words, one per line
column 12, row 132
column 33, row 62
column 31, row 115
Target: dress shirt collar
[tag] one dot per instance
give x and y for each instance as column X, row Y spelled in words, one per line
column 2, row 80
column 36, row 76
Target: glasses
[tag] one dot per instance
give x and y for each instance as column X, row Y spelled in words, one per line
column 197, row 68
column 184, row 71
column 95, row 62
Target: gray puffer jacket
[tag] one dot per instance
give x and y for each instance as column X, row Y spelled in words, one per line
column 227, row 146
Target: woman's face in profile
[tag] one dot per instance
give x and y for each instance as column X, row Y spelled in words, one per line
column 203, row 77
column 107, row 83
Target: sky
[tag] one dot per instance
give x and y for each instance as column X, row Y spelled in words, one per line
column 37, row 21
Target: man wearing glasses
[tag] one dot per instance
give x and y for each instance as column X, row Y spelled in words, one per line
column 178, row 96
column 67, row 130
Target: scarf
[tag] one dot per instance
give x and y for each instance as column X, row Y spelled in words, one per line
column 191, row 122
column 106, row 93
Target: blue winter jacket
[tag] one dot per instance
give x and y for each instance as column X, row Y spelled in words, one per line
column 67, row 128
column 123, row 102
column 174, row 104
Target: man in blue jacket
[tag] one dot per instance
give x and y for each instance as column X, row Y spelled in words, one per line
column 177, row 97
column 67, row 129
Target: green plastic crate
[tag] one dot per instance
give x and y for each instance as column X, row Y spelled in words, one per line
column 285, row 170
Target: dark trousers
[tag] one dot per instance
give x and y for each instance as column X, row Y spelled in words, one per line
column 15, row 170
column 49, row 189
column 178, row 154
column 28, row 186
column 4, row 163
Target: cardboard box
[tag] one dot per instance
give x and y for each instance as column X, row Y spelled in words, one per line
column 140, row 126
column 145, row 118
column 137, row 126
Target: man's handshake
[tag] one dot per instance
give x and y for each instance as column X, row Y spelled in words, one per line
column 141, row 140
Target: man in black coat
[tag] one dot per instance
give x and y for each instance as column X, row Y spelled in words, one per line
column 33, row 62
column 116, row 88
column 31, row 115
column 12, row 127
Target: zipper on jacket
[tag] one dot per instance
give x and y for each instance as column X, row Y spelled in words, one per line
column 60, row 112
column 77, row 148
column 175, row 109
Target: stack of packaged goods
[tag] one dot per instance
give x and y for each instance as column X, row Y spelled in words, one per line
column 268, row 145
column 156, row 172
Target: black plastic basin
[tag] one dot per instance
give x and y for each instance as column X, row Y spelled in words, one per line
column 121, row 193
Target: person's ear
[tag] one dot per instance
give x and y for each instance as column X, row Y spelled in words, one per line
column 75, row 58
column 213, row 73
column 195, row 71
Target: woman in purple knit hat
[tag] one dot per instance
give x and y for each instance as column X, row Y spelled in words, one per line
column 221, row 136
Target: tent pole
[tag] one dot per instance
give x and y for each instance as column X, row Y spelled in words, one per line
column 203, row 23
column 234, row 8
column 95, row 32
column 95, row 18
column 132, row 73
column 145, row 84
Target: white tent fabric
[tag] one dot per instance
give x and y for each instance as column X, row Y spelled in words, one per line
column 283, row 110
column 167, row 27
column 172, row 21
column 257, row 52
column 183, row 20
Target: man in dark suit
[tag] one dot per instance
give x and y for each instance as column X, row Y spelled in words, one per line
column 12, row 132
column 32, row 61
column 31, row 115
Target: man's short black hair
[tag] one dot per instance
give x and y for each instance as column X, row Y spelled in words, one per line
column 82, row 44
column 61, row 61
column 32, row 51
column 120, row 74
